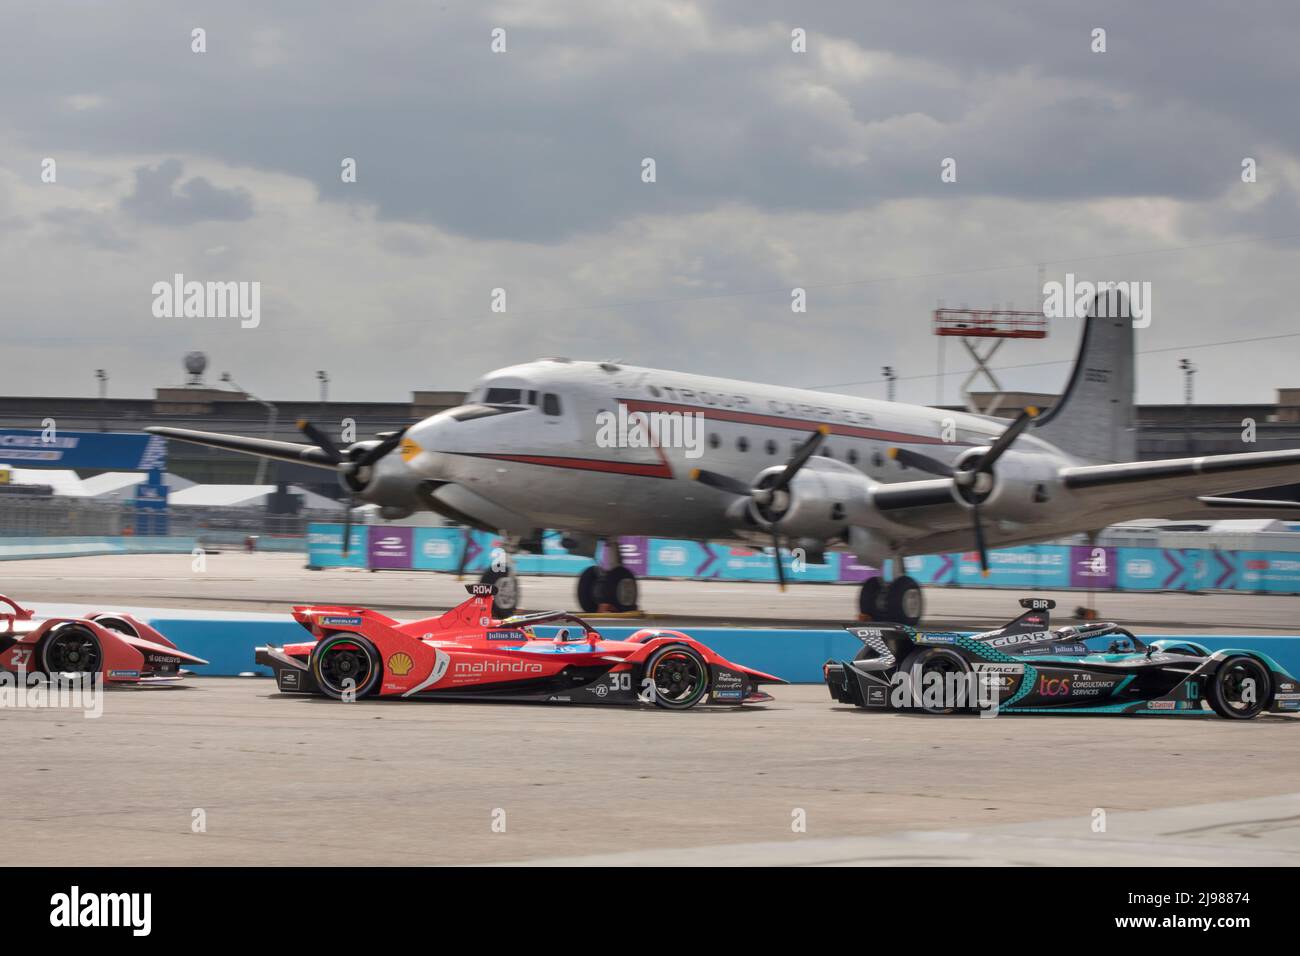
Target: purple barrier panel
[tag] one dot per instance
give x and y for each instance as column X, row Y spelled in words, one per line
column 635, row 552
column 853, row 571
column 1093, row 567
column 391, row 548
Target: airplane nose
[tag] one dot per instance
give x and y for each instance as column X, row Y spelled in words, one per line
column 424, row 445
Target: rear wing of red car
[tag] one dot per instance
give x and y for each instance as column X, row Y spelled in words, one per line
column 16, row 613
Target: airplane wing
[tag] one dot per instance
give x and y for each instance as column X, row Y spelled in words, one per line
column 1175, row 478
column 1216, row 508
column 266, row 447
column 1100, row 495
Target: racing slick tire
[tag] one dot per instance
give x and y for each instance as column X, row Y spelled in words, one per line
column 591, row 589
column 71, row 649
column 930, row 660
column 903, row 601
column 870, row 604
column 506, row 601
column 342, row 656
column 1227, row 691
column 620, row 589
column 676, row 677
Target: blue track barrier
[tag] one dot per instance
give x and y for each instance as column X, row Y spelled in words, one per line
column 20, row 549
column 794, row 655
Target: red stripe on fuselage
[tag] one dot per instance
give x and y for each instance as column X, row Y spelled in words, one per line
column 663, row 470
column 587, row 464
column 778, row 421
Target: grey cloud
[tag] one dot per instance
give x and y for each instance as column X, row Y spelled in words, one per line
column 775, row 169
column 545, row 141
column 161, row 197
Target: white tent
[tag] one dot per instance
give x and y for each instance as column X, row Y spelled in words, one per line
column 242, row 496
column 64, row 481
column 120, row 485
column 1249, row 525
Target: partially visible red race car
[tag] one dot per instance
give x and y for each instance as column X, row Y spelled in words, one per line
column 123, row 649
column 467, row 654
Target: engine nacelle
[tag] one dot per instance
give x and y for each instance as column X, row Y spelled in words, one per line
column 390, row 484
column 824, row 499
column 1021, row 483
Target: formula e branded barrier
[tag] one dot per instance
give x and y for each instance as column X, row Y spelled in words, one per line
column 1047, row 566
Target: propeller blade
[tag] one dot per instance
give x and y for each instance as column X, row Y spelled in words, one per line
column 1003, row 441
column 382, row 449
column 464, row 553
column 979, row 541
column 323, row 441
column 914, row 459
column 776, row 556
column 800, row 457
column 347, row 525
column 721, row 482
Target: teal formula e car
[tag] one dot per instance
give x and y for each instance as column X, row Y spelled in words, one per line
column 1027, row 667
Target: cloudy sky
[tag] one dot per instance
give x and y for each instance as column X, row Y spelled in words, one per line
column 522, row 170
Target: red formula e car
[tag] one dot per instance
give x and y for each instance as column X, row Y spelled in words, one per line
column 121, row 648
column 466, row 654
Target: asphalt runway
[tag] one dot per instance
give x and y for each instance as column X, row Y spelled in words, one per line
column 281, row 780
column 274, row 582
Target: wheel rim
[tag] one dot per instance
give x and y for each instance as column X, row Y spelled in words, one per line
column 677, row 677
column 911, row 604
column 345, row 661
column 625, row 592
column 1237, row 681
column 72, row 653
column 507, row 591
column 943, row 665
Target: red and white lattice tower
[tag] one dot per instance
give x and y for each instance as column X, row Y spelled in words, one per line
column 970, row 325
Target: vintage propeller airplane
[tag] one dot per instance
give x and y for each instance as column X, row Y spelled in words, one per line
column 529, row 451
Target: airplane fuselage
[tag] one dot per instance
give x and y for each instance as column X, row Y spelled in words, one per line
column 549, row 459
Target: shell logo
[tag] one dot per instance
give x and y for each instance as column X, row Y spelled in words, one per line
column 400, row 664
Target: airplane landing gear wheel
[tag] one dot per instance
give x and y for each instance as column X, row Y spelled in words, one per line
column 620, row 589
column 903, row 601
column 506, row 601
column 591, row 589
column 870, row 605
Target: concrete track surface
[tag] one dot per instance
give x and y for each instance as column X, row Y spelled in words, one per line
column 298, row 780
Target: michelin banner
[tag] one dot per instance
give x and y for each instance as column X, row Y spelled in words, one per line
column 384, row 547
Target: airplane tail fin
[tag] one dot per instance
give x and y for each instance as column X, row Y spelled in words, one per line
column 1093, row 418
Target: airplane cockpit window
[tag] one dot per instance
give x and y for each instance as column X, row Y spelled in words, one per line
column 550, row 404
column 503, row 396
